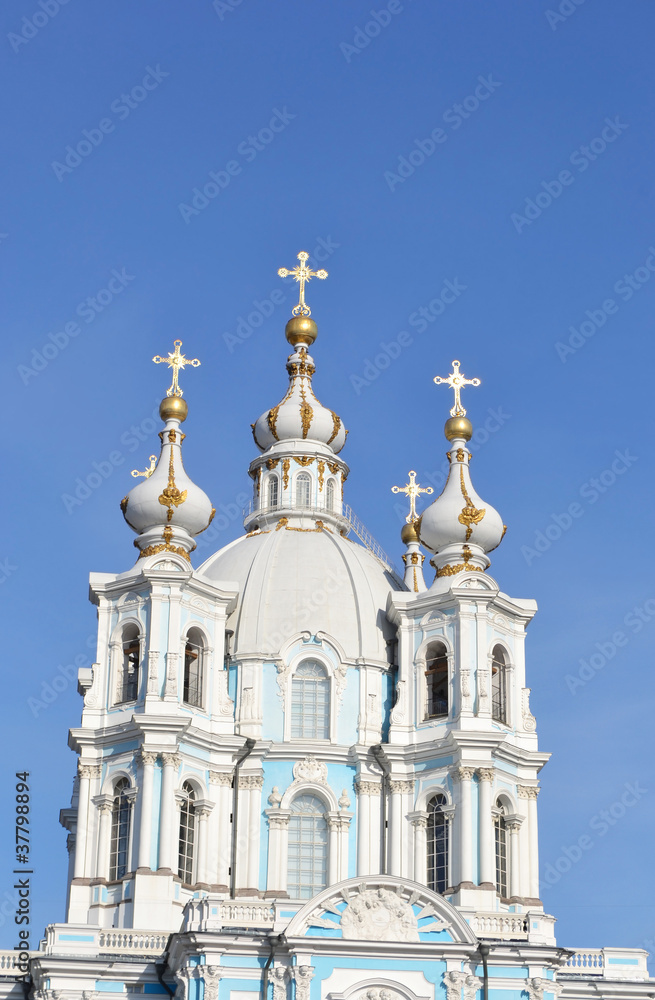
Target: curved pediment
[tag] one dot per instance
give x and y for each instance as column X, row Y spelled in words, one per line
column 381, row 908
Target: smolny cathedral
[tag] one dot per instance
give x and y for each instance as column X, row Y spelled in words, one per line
column 302, row 775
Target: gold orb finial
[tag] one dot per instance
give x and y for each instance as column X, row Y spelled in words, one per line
column 173, row 408
column 409, row 533
column 458, row 427
column 301, row 330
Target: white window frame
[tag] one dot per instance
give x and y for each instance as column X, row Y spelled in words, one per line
column 323, row 660
column 272, row 478
column 421, row 662
column 303, row 476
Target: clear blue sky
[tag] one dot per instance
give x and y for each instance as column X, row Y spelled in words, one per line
column 534, row 199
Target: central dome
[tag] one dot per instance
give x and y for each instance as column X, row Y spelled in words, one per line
column 291, row 580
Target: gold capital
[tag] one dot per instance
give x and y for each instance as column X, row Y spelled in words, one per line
column 176, row 360
column 412, row 489
column 456, row 381
column 302, row 274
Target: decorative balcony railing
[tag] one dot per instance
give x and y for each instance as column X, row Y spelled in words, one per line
column 504, row 926
column 607, row 963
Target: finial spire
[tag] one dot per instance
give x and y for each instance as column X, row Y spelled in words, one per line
column 456, row 381
column 412, row 489
column 302, row 274
column 176, row 360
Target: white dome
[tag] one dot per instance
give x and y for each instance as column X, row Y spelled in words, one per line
column 300, row 416
column 291, row 580
column 459, row 524
column 168, row 500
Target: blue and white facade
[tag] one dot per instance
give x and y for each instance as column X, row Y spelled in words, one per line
column 300, row 776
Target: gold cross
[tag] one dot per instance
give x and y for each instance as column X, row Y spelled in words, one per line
column 302, row 274
column 412, row 489
column 456, row 381
column 149, row 471
column 175, row 361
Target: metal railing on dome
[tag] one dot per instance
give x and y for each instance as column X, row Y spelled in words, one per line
column 341, row 511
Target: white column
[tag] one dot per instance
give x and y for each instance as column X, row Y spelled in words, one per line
column 168, row 814
column 530, row 842
column 333, row 847
column 278, row 840
column 86, row 772
column 369, row 820
column 513, row 826
column 533, row 834
column 396, row 833
column 253, row 794
column 223, row 842
column 203, row 809
column 103, row 804
column 148, row 760
column 464, row 812
column 486, row 829
column 242, row 833
column 363, row 827
column 419, row 821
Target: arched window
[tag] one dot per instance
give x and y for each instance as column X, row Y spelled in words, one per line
column 273, row 485
column 499, row 685
column 121, row 814
column 193, row 668
column 329, row 494
column 501, row 839
column 308, row 847
column 128, row 683
column 437, row 844
column 436, row 676
column 303, row 489
column 187, row 838
column 310, row 702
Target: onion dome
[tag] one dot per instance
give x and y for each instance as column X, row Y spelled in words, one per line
column 300, row 416
column 459, row 527
column 167, row 509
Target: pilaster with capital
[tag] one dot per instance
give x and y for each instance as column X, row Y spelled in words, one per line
column 464, row 818
column 419, row 823
column 536, row 987
column 303, row 975
column 529, row 794
column 368, row 826
column 401, row 793
column 250, row 789
column 147, row 760
column 211, row 975
column 279, row 977
column 103, row 804
column 220, row 785
column 461, row 985
column 168, row 817
column 278, row 839
column 88, row 773
column 513, row 826
column 486, row 828
column 338, row 824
